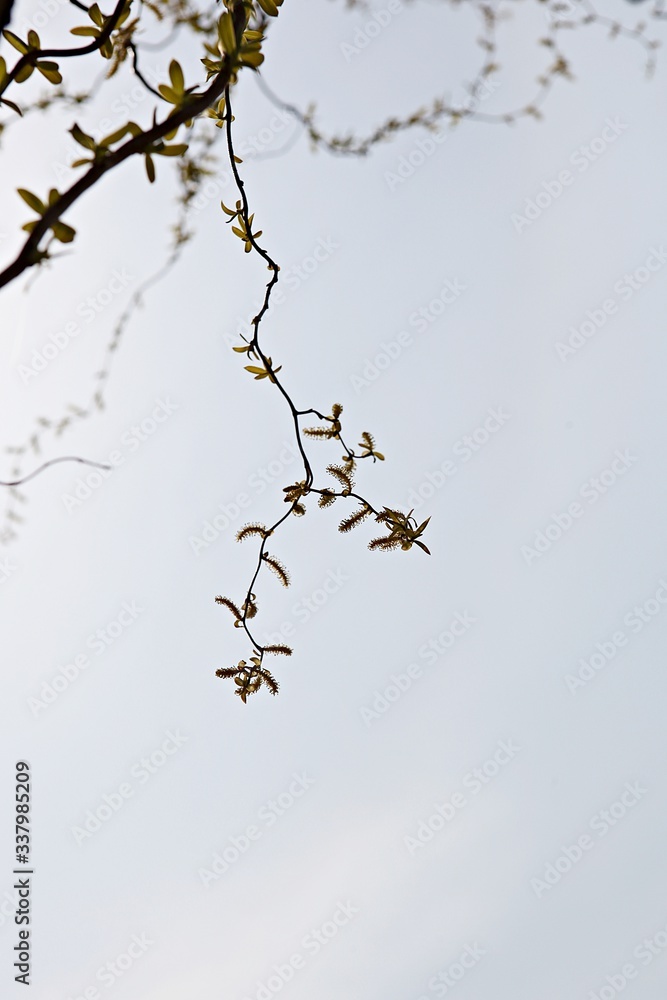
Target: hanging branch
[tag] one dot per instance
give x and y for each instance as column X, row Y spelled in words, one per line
column 403, row 530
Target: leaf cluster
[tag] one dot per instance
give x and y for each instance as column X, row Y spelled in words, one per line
column 404, row 532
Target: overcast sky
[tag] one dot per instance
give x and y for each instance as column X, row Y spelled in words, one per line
column 460, row 789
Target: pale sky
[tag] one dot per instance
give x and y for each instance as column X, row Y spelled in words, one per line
column 460, row 788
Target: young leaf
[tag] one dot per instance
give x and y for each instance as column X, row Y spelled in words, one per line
column 80, row 136
column 24, row 74
column 226, row 33
column 33, row 201
column 96, row 15
column 63, row 232
column 176, row 76
column 269, row 7
column 50, row 71
column 10, row 104
column 15, row 41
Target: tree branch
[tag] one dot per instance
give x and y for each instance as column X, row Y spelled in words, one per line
column 138, row 144
column 5, row 13
column 30, row 58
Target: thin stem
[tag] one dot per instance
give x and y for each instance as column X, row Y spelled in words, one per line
column 253, row 347
column 54, row 461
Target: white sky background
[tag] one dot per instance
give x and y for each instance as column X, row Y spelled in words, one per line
column 375, row 780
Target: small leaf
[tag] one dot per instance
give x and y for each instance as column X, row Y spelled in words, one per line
column 24, row 74
column 10, row 104
column 168, row 93
column 176, row 150
column 82, row 138
column 15, row 41
column 96, row 15
column 269, row 7
column 63, row 232
column 176, row 76
column 150, row 168
column 33, row 201
column 52, row 75
column 116, row 136
column 253, row 59
column 226, row 33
